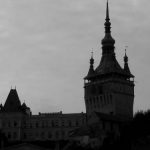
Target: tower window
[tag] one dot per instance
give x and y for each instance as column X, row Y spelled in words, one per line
column 9, row 135
column 100, row 90
column 57, row 134
column 63, row 134
column 42, row 135
column 52, row 123
column 37, row 125
column 62, row 123
column 14, row 135
column 49, row 135
column 77, row 123
column 70, row 124
column 103, row 125
column 15, row 123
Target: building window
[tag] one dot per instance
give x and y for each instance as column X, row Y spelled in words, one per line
column 110, row 98
column 57, row 134
column 46, row 124
column 9, row 124
column 49, row 135
column 52, row 123
column 37, row 134
column 63, row 123
column 25, row 136
column 15, row 124
column 111, row 126
column 42, row 124
column 14, row 135
column 70, row 124
column 100, row 89
column 63, row 134
column 42, row 135
column 4, row 124
column 31, row 125
column 103, row 125
column 87, row 101
column 77, row 123
column 9, row 135
column 37, row 125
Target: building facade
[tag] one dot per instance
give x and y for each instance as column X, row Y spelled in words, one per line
column 18, row 123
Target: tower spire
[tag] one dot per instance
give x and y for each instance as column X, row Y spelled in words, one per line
column 126, row 67
column 107, row 42
column 107, row 11
column 91, row 69
column 107, row 23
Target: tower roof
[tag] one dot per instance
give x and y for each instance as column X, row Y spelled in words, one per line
column 126, row 67
column 108, row 63
column 91, row 71
column 12, row 103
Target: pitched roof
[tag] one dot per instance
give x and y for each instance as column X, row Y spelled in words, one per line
column 108, row 65
column 12, row 103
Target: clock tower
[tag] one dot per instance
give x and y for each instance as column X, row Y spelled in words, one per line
column 109, row 88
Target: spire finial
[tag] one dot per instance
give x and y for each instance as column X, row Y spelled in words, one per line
column 107, row 11
column 126, row 57
column 92, row 59
column 107, row 23
column 92, row 54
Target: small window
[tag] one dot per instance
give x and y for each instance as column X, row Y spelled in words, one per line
column 77, row 123
column 25, row 136
column 49, row 135
column 14, row 135
column 70, row 124
column 103, row 125
column 37, row 124
column 9, row 124
column 52, row 123
column 57, row 134
column 42, row 124
column 63, row 134
column 42, row 135
column 9, row 135
column 15, row 124
column 62, row 123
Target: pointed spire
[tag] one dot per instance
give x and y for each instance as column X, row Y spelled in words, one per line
column 126, row 57
column 107, row 11
column 107, row 42
column 91, row 60
column 126, row 67
column 107, row 23
column 91, row 69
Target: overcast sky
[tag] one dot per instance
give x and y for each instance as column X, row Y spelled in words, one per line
column 45, row 46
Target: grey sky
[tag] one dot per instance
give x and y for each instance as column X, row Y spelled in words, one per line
column 45, row 47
